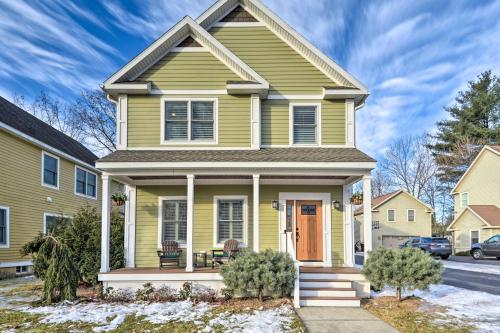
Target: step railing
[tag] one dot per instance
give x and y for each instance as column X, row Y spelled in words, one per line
column 296, row 286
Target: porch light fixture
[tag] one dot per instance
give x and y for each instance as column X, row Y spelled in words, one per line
column 336, row 204
column 275, row 204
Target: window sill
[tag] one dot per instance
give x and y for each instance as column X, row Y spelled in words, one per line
column 50, row 186
column 85, row 196
column 188, row 143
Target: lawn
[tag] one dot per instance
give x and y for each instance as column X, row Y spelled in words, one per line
column 19, row 313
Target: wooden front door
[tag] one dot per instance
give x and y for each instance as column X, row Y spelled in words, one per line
column 309, row 230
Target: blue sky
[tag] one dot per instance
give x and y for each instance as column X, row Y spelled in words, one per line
column 413, row 55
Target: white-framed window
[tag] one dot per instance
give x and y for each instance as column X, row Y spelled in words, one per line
column 410, row 215
column 474, row 237
column 50, row 170
column 305, row 124
column 391, row 215
column 50, row 220
column 189, row 120
column 464, row 199
column 85, row 183
column 172, row 222
column 230, row 219
column 4, row 227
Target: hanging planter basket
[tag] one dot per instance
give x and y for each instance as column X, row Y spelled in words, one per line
column 119, row 198
column 357, row 199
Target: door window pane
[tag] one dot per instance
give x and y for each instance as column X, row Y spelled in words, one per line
column 175, row 220
column 230, row 220
column 304, row 125
column 50, row 166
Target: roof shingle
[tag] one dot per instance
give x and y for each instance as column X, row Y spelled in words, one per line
column 489, row 213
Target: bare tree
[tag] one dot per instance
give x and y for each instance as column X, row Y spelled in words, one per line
column 381, row 183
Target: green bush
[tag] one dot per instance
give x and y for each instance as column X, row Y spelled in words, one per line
column 253, row 274
column 406, row 268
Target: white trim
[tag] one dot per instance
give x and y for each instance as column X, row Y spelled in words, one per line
column 294, row 97
column 7, row 220
column 350, row 123
column 256, row 213
column 45, row 215
column 188, row 92
column 414, row 215
column 367, row 214
column 237, row 24
column 129, row 88
column 461, row 200
column 342, row 93
column 105, row 221
column 291, row 107
column 58, row 170
column 190, row 221
column 122, row 122
column 474, row 213
column 348, row 217
column 189, row 100
column 351, row 166
column 86, row 183
column 160, row 217
column 167, row 148
column 478, row 236
column 215, row 218
column 129, row 234
column 188, row 276
column 393, row 209
column 321, row 146
column 189, row 49
column 255, row 121
column 486, row 147
column 327, row 220
column 7, row 264
column 44, row 146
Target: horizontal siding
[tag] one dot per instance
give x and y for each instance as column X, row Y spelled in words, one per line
column 286, row 70
column 189, row 70
column 333, row 122
column 144, row 121
column 22, row 192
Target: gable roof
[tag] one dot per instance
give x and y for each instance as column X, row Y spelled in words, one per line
column 16, row 120
column 489, row 214
column 326, row 65
column 492, row 148
column 379, row 201
column 187, row 27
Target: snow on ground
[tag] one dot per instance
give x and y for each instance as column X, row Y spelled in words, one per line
column 472, row 307
column 259, row 321
column 480, row 268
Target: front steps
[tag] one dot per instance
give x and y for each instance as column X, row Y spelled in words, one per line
column 321, row 286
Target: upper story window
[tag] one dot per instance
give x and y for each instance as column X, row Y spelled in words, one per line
column 464, row 199
column 189, row 121
column 50, row 170
column 391, row 215
column 305, row 124
column 85, row 183
column 4, row 226
column 410, row 215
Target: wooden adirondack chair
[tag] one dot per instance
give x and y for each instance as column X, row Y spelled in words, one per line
column 170, row 254
column 227, row 254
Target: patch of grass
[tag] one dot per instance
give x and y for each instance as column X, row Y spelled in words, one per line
column 26, row 289
column 408, row 317
column 297, row 326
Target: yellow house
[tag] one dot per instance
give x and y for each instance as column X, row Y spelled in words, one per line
column 43, row 174
column 396, row 216
column 477, row 201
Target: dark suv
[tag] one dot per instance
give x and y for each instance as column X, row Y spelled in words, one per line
column 490, row 248
column 436, row 246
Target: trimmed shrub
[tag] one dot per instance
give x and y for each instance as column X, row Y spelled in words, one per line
column 253, row 274
column 406, row 268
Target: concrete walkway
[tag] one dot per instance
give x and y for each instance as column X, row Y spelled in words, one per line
column 342, row 320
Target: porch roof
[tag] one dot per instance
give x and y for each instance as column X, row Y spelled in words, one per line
column 263, row 155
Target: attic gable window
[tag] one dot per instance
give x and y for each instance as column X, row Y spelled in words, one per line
column 189, row 121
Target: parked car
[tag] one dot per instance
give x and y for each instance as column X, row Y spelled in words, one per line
column 435, row 246
column 490, row 248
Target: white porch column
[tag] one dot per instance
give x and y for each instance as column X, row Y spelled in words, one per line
column 367, row 213
column 190, row 217
column 105, row 224
column 256, row 201
column 130, row 205
column 348, row 227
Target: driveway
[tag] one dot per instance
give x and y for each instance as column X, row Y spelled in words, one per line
column 471, row 280
column 469, row 260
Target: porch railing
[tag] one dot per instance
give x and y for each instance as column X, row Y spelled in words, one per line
column 296, row 286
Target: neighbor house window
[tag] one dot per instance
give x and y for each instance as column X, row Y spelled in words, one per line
column 305, row 124
column 50, row 221
column 4, row 226
column 85, row 183
column 474, row 237
column 411, row 215
column 189, row 120
column 230, row 220
column 174, row 220
column 50, row 170
column 391, row 215
column 464, row 199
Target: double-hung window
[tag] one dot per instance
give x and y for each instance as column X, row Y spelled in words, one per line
column 464, row 199
column 410, row 215
column 391, row 215
column 230, row 219
column 52, row 221
column 189, row 121
column 85, row 183
column 50, row 170
column 4, row 226
column 474, row 237
column 174, row 220
column 305, row 124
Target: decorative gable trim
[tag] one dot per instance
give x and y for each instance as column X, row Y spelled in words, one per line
column 168, row 41
column 331, row 69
